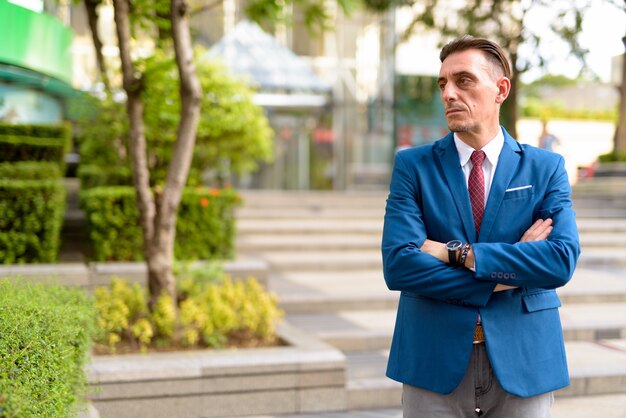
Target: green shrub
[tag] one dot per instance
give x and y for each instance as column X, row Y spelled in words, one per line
column 31, row 216
column 43, row 131
column 191, row 276
column 536, row 108
column 113, row 223
column 215, row 315
column 46, row 332
column 28, row 148
column 29, row 170
column 205, row 226
column 613, row 157
column 95, row 176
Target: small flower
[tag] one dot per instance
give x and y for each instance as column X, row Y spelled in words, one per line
column 214, row 192
column 204, row 202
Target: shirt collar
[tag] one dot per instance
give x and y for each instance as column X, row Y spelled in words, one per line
column 492, row 149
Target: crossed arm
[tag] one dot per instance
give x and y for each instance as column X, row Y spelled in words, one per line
column 538, row 231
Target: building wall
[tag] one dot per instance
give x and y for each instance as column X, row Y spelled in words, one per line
column 35, row 66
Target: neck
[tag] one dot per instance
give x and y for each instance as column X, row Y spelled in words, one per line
column 478, row 140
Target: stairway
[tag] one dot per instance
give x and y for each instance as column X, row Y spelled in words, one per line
column 324, row 255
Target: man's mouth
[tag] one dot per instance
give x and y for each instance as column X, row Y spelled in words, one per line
column 453, row 111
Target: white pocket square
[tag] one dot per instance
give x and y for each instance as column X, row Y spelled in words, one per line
column 518, row 188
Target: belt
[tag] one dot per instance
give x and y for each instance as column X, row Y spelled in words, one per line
column 479, row 335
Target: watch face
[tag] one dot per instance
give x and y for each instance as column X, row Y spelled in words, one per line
column 454, row 245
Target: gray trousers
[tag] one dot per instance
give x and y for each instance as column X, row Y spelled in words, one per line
column 478, row 395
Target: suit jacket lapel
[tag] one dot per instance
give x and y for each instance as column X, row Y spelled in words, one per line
column 451, row 167
column 507, row 166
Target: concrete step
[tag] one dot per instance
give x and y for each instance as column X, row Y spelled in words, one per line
column 313, row 212
column 597, row 225
column 293, row 260
column 372, row 329
column 329, row 240
column 312, row 199
column 603, row 239
column 605, row 406
column 594, row 286
column 306, row 242
column 602, row 257
column 591, row 210
column 360, row 289
column 596, row 368
column 308, row 226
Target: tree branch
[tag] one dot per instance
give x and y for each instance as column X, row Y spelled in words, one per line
column 134, row 104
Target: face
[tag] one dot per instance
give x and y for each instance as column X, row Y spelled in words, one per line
column 472, row 93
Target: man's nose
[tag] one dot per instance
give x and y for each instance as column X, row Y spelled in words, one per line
column 448, row 93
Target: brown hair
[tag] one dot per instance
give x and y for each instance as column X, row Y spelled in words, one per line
column 492, row 51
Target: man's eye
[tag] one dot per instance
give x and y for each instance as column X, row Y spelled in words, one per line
column 464, row 81
column 442, row 86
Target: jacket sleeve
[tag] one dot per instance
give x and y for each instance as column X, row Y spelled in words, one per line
column 544, row 264
column 407, row 268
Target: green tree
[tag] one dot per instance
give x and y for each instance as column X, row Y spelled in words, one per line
column 169, row 21
column 158, row 207
column 504, row 21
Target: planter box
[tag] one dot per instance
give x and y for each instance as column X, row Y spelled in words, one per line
column 305, row 376
column 99, row 274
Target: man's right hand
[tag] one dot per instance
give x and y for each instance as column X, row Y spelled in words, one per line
column 538, row 231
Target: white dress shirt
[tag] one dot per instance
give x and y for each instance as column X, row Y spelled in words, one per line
column 492, row 153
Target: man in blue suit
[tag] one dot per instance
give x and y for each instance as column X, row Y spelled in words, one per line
column 479, row 232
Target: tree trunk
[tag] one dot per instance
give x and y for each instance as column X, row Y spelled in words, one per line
column 137, row 140
column 620, row 135
column 509, row 109
column 92, row 17
column 162, row 246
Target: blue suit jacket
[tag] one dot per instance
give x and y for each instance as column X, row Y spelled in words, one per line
column 439, row 303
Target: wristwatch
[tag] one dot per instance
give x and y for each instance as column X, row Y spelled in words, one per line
column 454, row 250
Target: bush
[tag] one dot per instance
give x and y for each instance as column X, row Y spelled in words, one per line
column 27, row 148
column 113, row 223
column 43, row 131
column 29, row 170
column 46, row 332
column 32, row 216
column 537, row 108
column 613, row 157
column 205, row 228
column 95, row 176
column 214, row 315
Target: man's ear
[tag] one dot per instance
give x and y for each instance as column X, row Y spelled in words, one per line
column 504, row 88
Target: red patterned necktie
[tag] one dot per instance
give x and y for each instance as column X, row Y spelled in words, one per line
column 476, row 187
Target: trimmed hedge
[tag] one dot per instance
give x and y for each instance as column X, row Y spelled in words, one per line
column 31, row 216
column 31, row 148
column 44, row 131
column 46, row 332
column 29, row 170
column 91, row 176
column 205, row 227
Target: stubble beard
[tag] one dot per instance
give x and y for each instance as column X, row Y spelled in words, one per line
column 460, row 127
